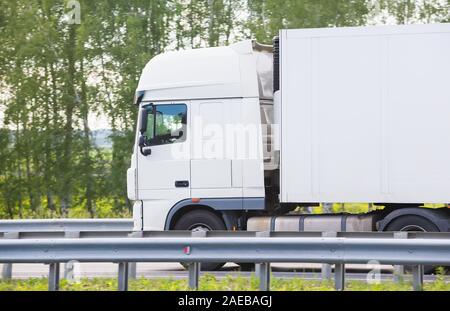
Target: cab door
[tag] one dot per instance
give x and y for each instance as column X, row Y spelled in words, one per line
column 164, row 171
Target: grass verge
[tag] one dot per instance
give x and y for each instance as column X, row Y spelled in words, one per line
column 209, row 282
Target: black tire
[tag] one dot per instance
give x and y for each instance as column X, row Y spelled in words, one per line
column 205, row 220
column 414, row 223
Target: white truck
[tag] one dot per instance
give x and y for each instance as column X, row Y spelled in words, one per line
column 238, row 137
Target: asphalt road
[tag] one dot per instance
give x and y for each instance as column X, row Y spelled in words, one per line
column 176, row 271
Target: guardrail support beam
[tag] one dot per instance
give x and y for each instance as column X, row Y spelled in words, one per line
column 399, row 270
column 257, row 270
column 399, row 273
column 326, row 272
column 69, row 267
column 123, row 276
column 326, row 268
column 258, row 266
column 418, row 278
column 194, row 274
column 53, row 277
column 264, row 276
column 8, row 267
column 132, row 266
column 7, row 271
column 339, row 276
column 132, row 271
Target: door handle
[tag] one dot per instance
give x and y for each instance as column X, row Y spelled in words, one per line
column 182, row 184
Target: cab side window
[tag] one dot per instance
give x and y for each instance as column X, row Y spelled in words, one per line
column 166, row 124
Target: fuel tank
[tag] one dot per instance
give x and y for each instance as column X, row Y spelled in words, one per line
column 320, row 223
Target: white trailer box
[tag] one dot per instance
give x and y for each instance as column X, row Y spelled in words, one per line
column 365, row 114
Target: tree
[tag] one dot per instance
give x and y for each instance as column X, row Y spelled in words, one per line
column 55, row 75
column 268, row 17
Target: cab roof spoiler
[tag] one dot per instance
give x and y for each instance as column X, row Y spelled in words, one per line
column 261, row 47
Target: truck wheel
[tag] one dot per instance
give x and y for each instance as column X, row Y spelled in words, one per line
column 413, row 223
column 201, row 220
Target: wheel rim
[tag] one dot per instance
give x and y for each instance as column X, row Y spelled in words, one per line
column 413, row 228
column 199, row 227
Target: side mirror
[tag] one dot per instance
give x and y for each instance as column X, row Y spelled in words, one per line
column 144, row 119
column 145, row 151
column 177, row 134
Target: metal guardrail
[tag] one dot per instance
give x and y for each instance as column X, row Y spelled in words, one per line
column 261, row 248
column 61, row 225
column 121, row 228
column 63, row 228
column 92, row 233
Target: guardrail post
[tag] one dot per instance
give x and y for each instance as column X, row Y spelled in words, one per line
column 7, row 268
column 53, row 276
column 418, row 278
column 132, row 270
column 339, row 276
column 7, row 271
column 194, row 274
column 326, row 267
column 399, row 270
column 257, row 270
column 132, row 266
column 194, row 267
column 258, row 267
column 264, row 276
column 123, row 276
column 69, row 267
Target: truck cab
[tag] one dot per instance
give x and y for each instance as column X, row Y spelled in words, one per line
column 204, row 143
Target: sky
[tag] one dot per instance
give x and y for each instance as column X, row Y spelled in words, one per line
column 98, row 122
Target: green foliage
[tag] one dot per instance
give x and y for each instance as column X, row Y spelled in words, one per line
column 268, row 16
column 55, row 75
column 413, row 11
column 209, row 282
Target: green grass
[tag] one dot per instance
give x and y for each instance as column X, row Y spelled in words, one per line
column 209, row 282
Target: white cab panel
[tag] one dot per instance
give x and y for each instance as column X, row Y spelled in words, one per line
column 211, row 174
column 131, row 178
column 253, row 162
column 236, row 173
column 155, row 213
column 226, row 148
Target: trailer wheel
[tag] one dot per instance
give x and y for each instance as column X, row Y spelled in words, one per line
column 412, row 223
column 201, row 220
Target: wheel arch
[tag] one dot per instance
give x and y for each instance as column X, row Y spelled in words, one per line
column 183, row 207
